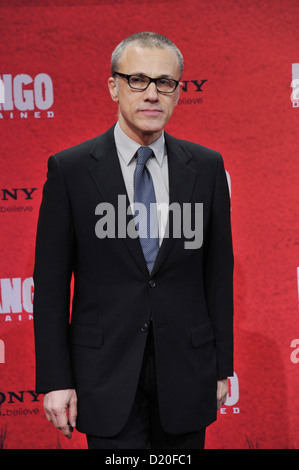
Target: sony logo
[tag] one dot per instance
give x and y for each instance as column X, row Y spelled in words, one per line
column 15, row 193
column 194, row 83
column 13, row 397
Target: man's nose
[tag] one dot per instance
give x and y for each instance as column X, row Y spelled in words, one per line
column 151, row 93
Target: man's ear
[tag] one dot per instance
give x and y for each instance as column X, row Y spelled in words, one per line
column 178, row 92
column 112, row 85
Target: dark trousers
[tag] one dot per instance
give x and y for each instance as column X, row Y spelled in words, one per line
column 143, row 429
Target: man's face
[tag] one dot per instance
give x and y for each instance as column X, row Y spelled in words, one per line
column 143, row 114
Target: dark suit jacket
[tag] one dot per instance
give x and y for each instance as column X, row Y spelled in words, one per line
column 189, row 294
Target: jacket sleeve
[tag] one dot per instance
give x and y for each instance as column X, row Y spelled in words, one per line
column 52, row 277
column 219, row 264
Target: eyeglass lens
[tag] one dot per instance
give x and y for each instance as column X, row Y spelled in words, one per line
column 140, row 82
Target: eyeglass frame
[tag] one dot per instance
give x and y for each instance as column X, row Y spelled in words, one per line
column 154, row 80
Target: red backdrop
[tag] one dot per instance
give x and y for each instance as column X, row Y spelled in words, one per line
column 240, row 61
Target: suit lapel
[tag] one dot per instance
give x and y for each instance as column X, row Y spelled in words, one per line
column 181, row 183
column 107, row 175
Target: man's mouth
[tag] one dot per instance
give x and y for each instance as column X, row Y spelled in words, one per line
column 150, row 111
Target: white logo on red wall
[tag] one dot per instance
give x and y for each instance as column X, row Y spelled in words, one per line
column 16, row 299
column 230, row 405
column 2, row 352
column 294, row 357
column 2, row 91
column 295, row 86
column 25, row 96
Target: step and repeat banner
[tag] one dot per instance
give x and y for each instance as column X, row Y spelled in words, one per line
column 241, row 98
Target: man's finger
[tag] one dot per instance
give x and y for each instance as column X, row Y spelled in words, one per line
column 73, row 412
column 66, row 431
column 61, row 422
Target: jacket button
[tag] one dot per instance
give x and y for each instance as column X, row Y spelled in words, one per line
column 144, row 327
column 152, row 283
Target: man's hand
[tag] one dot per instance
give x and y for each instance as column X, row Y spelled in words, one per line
column 56, row 404
column 222, row 390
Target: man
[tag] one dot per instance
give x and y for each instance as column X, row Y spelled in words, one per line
column 144, row 359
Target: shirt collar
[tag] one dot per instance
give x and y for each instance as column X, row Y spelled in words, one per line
column 127, row 147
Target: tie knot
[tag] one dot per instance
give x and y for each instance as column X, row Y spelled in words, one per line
column 143, row 154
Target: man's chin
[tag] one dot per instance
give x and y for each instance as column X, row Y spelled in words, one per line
column 152, row 131
column 152, row 127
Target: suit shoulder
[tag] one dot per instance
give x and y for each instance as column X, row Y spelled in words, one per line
column 199, row 150
column 77, row 151
column 196, row 151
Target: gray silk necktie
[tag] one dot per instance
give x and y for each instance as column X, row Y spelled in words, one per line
column 144, row 193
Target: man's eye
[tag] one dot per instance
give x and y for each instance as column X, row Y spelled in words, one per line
column 138, row 79
column 164, row 81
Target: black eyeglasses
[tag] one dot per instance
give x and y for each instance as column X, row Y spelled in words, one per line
column 141, row 82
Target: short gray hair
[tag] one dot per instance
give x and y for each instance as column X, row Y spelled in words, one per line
column 145, row 39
